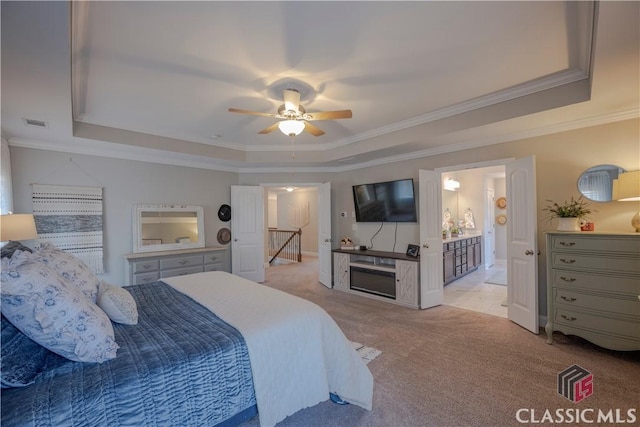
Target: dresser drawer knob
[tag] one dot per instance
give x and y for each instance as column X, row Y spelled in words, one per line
column 565, row 317
column 147, row 266
column 568, row 279
column 570, row 299
column 563, row 243
column 183, row 262
column 567, row 261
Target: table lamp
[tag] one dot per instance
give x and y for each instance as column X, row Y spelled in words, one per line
column 627, row 189
column 17, row 227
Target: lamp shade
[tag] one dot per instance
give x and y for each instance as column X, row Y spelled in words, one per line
column 291, row 127
column 17, row 227
column 627, row 187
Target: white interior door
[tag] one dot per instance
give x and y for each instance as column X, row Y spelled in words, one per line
column 247, row 232
column 522, row 248
column 324, row 234
column 431, row 279
column 489, row 230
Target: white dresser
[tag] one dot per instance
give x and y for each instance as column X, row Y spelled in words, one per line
column 593, row 288
column 152, row 266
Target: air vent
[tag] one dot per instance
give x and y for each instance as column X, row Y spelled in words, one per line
column 36, row 123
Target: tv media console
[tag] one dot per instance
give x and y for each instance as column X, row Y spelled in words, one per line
column 385, row 276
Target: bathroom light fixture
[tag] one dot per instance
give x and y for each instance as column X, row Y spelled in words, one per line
column 291, row 127
column 627, row 189
column 451, row 184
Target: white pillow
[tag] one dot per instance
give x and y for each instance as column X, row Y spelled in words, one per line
column 53, row 313
column 118, row 303
column 71, row 268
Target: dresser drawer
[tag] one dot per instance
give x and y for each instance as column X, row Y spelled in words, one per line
column 142, row 278
column 218, row 266
column 567, row 299
column 609, row 244
column 595, row 262
column 213, row 258
column 608, row 283
column 578, row 319
column 142, row 266
column 181, row 271
column 187, row 261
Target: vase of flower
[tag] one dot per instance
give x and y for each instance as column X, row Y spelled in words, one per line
column 569, row 214
column 568, row 224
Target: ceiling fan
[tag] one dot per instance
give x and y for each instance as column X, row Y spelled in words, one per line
column 294, row 117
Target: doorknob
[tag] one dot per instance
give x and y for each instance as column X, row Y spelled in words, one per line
column 426, row 246
column 528, row 252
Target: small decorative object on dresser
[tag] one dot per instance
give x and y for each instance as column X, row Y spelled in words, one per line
column 593, row 283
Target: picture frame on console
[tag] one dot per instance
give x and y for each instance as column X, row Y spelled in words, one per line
column 413, row 251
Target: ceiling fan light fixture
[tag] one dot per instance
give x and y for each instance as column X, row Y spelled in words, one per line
column 291, row 127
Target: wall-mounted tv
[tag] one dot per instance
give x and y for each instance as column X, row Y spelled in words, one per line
column 391, row 201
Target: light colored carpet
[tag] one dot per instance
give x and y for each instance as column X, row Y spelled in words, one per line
column 448, row 366
column 499, row 278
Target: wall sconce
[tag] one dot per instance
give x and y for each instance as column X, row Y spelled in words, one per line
column 627, row 189
column 451, row 184
column 17, row 227
column 291, row 127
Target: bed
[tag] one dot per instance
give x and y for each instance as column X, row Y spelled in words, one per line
column 208, row 349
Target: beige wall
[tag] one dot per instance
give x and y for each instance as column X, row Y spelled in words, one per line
column 560, row 159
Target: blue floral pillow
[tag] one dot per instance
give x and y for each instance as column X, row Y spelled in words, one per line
column 56, row 315
column 22, row 358
column 70, row 267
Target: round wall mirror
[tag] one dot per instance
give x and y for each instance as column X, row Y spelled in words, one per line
column 596, row 183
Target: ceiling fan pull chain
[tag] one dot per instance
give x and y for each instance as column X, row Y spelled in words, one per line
column 293, row 153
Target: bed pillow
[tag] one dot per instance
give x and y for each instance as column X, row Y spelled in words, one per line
column 53, row 313
column 22, row 358
column 8, row 249
column 70, row 267
column 118, row 303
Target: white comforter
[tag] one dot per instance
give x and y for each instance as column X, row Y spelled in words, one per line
column 298, row 353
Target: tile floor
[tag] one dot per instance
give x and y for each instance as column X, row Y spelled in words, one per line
column 472, row 293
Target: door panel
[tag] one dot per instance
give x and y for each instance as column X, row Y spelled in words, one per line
column 431, row 285
column 247, row 232
column 324, row 234
column 522, row 248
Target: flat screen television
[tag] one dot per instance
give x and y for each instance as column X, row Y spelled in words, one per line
column 391, row 201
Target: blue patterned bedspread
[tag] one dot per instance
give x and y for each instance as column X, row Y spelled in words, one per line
column 180, row 366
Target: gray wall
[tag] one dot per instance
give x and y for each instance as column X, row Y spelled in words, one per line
column 125, row 183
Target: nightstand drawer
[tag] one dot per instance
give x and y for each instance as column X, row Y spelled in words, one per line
column 597, row 323
column 142, row 278
column 617, row 306
column 142, row 266
column 167, row 264
column 609, row 283
column 181, row 271
column 593, row 262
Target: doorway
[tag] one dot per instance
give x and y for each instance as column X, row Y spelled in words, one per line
column 474, row 196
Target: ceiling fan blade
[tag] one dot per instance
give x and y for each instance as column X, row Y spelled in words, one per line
column 253, row 113
column 269, row 129
column 291, row 100
column 330, row 115
column 312, row 129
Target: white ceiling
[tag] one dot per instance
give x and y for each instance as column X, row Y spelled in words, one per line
column 153, row 80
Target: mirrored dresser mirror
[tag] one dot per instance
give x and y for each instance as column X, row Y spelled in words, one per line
column 596, row 183
column 167, row 227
